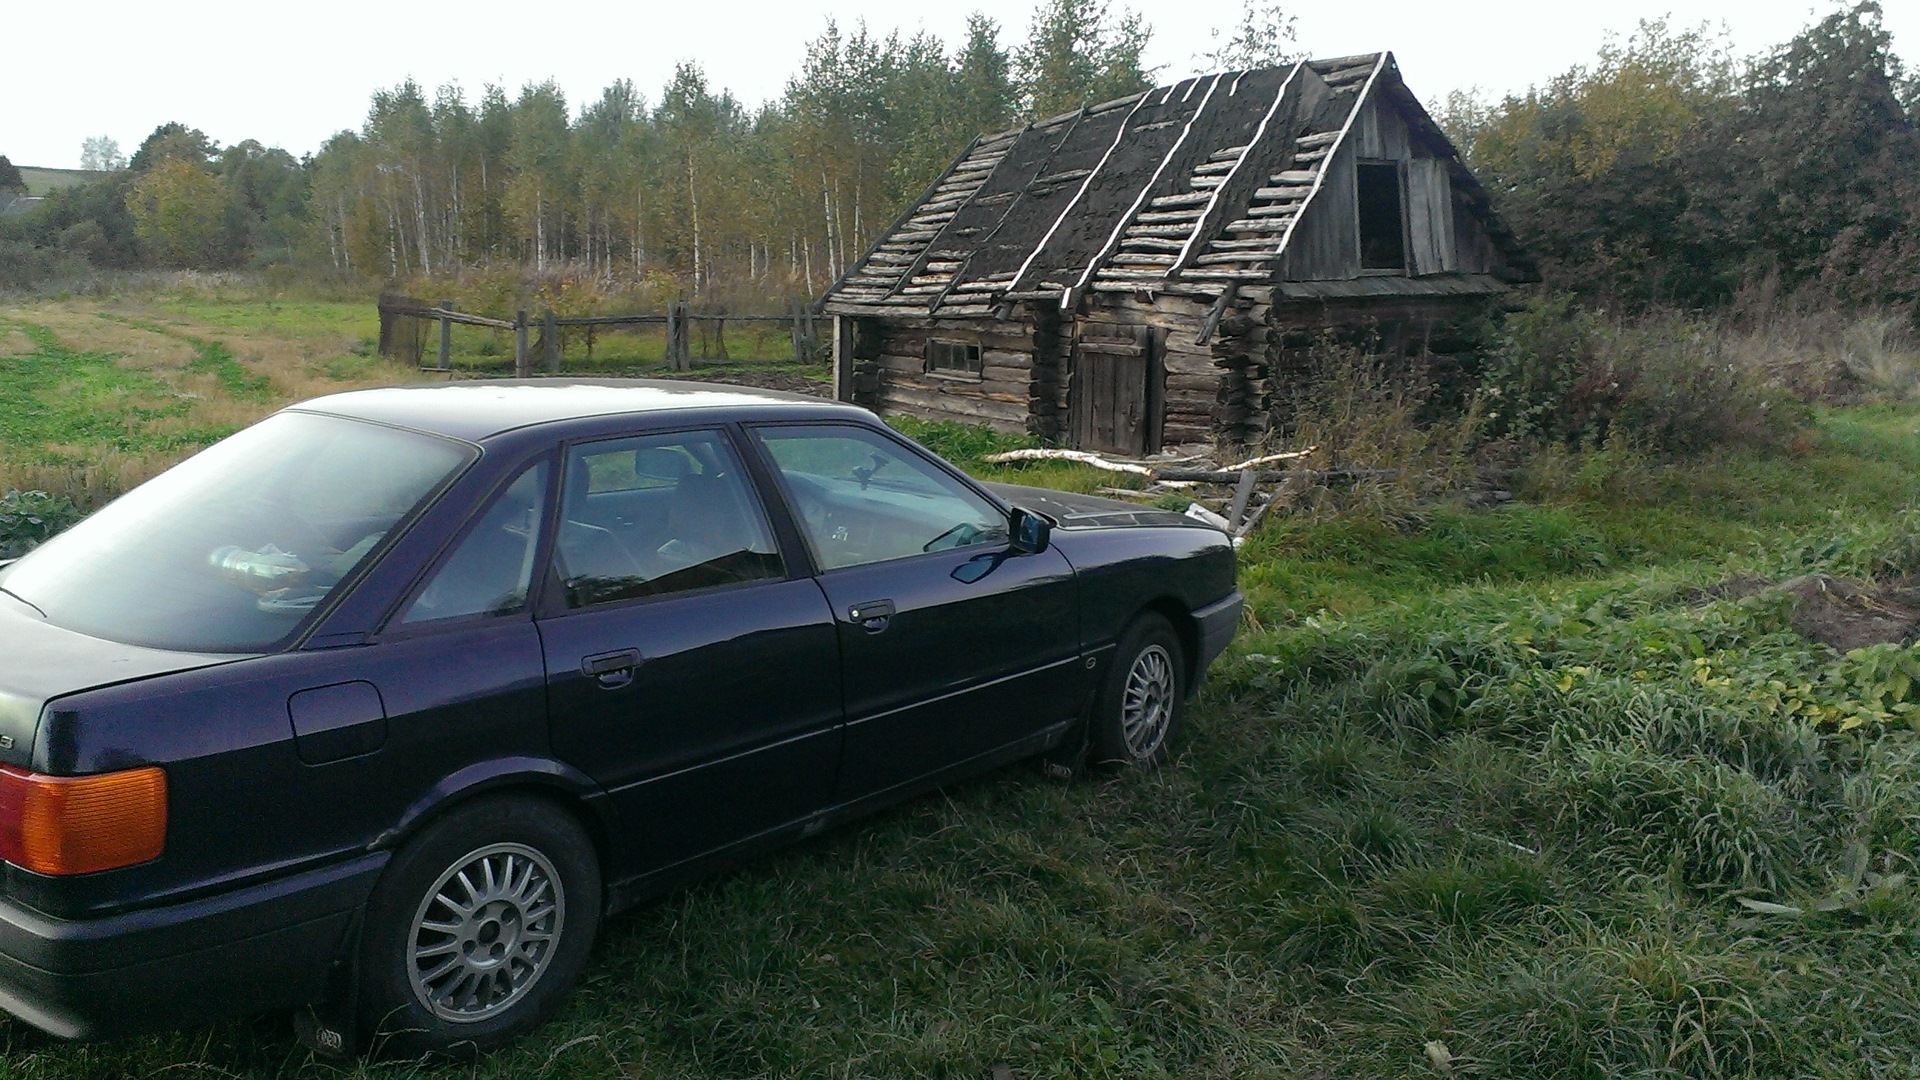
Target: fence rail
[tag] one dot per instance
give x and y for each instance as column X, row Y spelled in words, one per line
column 679, row 319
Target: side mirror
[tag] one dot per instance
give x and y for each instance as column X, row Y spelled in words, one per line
column 1030, row 532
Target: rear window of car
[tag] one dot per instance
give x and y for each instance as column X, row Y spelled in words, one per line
column 234, row 549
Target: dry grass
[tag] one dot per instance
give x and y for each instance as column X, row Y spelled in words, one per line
column 79, row 326
column 158, row 384
column 1365, row 413
column 1823, row 353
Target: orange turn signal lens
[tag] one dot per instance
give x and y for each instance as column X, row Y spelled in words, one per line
column 81, row 824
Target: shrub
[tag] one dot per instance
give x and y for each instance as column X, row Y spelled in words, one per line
column 30, row 518
column 1666, row 383
column 1368, row 413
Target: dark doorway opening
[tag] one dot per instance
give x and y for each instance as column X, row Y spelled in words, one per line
column 1383, row 230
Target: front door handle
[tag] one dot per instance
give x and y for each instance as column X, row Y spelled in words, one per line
column 612, row 669
column 871, row 616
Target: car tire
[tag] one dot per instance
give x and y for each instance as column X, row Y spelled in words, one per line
column 1142, row 698
column 480, row 926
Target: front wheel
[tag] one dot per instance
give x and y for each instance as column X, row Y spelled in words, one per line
column 1142, row 698
column 480, row 926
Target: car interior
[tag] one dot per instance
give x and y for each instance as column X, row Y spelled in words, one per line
column 658, row 519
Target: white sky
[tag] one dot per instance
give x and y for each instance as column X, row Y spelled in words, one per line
column 292, row 74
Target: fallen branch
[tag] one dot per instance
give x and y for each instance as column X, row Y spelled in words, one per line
column 1222, row 476
column 1268, row 459
column 1080, row 456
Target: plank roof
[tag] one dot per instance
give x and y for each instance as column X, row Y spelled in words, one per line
column 1190, row 188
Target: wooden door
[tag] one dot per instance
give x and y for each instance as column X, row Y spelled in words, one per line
column 1115, row 393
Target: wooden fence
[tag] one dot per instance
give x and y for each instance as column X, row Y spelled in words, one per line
column 402, row 317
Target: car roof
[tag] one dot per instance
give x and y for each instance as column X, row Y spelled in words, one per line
column 479, row 408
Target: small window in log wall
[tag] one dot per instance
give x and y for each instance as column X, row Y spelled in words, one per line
column 1383, row 228
column 953, row 357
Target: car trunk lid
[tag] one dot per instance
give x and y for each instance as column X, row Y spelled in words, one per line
column 41, row 662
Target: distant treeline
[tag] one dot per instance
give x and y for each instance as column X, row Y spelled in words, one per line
column 1670, row 172
column 693, row 184
column 1667, row 172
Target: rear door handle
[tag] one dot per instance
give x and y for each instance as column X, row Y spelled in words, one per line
column 612, row 669
column 871, row 616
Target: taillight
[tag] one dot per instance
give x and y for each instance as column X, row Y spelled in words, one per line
column 80, row 824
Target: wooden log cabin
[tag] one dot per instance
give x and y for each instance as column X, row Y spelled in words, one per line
column 1145, row 271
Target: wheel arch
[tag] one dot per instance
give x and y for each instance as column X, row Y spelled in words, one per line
column 1185, row 628
column 549, row 781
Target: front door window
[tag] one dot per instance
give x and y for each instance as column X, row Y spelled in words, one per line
column 862, row 498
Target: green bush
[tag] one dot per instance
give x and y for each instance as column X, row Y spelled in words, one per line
column 1565, row 375
column 30, row 518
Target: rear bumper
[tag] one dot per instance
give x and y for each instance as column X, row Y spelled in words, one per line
column 261, row 947
column 1218, row 622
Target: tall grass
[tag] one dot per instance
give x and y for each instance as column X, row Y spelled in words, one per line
column 1511, row 792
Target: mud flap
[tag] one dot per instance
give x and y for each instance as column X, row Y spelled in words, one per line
column 331, row 1028
column 1068, row 759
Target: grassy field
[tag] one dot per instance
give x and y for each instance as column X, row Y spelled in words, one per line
column 1515, row 792
column 45, row 181
column 98, row 395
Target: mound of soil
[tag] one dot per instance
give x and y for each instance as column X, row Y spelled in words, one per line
column 1833, row 611
column 1846, row 615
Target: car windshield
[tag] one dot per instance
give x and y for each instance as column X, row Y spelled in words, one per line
column 232, row 550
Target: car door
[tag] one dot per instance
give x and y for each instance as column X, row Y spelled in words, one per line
column 687, row 671
column 951, row 646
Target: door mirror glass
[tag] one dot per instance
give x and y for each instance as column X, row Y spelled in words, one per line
column 1030, row 532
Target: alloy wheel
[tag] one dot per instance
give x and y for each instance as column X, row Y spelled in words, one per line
column 486, row 932
column 1146, row 702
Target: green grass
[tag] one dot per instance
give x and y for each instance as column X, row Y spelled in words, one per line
column 615, row 351
column 295, row 317
column 212, row 358
column 45, row 181
column 56, row 397
column 1479, row 787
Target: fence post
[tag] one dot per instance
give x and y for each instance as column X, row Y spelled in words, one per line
column 446, row 337
column 677, row 336
column 672, row 333
column 686, row 337
column 799, row 338
column 550, row 333
column 522, row 363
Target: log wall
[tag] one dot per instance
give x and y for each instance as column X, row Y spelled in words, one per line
column 1000, row 397
column 1212, row 392
column 1438, row 333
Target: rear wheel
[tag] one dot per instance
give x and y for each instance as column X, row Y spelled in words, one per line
column 1142, row 699
column 479, row 927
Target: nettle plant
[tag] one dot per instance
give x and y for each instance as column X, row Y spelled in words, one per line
column 30, row 518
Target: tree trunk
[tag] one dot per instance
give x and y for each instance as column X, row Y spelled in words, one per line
column 693, row 195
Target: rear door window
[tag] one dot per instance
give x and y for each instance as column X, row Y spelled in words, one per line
column 659, row 514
